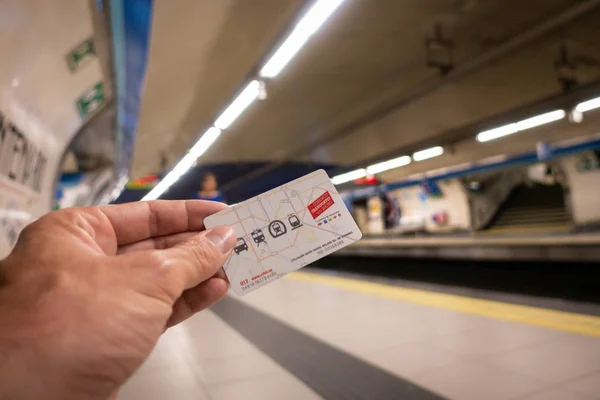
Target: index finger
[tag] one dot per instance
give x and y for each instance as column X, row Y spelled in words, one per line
column 133, row 222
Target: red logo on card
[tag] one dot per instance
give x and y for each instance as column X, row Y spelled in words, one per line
column 320, row 205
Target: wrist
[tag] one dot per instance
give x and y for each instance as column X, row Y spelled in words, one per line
column 14, row 382
column 23, row 372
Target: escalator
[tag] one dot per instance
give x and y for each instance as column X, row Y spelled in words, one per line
column 536, row 209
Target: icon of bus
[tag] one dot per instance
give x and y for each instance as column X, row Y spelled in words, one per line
column 240, row 245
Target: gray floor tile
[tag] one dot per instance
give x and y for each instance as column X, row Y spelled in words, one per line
column 274, row 386
column 473, row 380
column 556, row 394
column 209, row 338
column 587, row 384
column 222, row 370
column 365, row 340
column 495, row 339
column 459, row 356
column 181, row 383
column 410, row 359
column 166, row 354
column 555, row 361
column 326, row 370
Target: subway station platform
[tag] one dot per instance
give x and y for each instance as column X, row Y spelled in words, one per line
column 323, row 334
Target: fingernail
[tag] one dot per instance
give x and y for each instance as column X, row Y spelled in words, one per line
column 223, row 237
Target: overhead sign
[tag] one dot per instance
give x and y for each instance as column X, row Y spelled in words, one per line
column 81, row 55
column 91, row 100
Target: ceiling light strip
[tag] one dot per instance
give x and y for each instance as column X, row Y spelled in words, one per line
column 484, row 136
column 304, row 29
column 349, row 176
column 428, row 153
column 237, row 107
column 228, row 117
column 525, row 124
column 387, row 165
column 207, row 139
column 588, row 105
column 316, row 16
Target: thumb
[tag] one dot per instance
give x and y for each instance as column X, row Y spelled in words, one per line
column 199, row 257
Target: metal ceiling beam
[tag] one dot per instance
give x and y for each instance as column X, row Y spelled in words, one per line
column 524, row 38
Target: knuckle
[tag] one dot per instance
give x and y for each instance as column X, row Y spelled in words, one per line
column 31, row 231
column 157, row 258
column 187, row 264
column 167, row 275
column 61, row 280
column 153, row 222
column 160, row 243
column 65, row 214
column 55, row 219
column 203, row 254
column 28, row 231
column 201, row 251
column 53, row 282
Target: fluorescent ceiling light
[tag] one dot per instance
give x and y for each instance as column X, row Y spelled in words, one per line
column 521, row 125
column 156, row 191
column 588, row 105
column 205, row 141
column 305, row 28
column 349, row 176
column 541, row 120
column 237, row 107
column 497, row 132
column 428, row 153
column 185, row 164
column 387, row 165
column 181, row 168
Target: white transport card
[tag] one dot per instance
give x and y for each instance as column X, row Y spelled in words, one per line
column 285, row 229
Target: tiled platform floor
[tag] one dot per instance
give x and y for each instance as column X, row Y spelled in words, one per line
column 452, row 354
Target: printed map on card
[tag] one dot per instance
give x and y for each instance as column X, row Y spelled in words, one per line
column 285, row 229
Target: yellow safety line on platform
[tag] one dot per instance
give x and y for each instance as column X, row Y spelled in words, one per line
column 559, row 320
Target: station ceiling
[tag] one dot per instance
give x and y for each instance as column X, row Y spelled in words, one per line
column 361, row 87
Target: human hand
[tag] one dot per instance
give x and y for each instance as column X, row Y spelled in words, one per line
column 87, row 292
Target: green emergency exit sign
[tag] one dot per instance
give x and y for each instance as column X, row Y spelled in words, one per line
column 81, row 55
column 91, row 100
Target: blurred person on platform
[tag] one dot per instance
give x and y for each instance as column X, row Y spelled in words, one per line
column 209, row 189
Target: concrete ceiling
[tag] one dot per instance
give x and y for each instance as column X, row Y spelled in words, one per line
column 361, row 86
column 201, row 53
